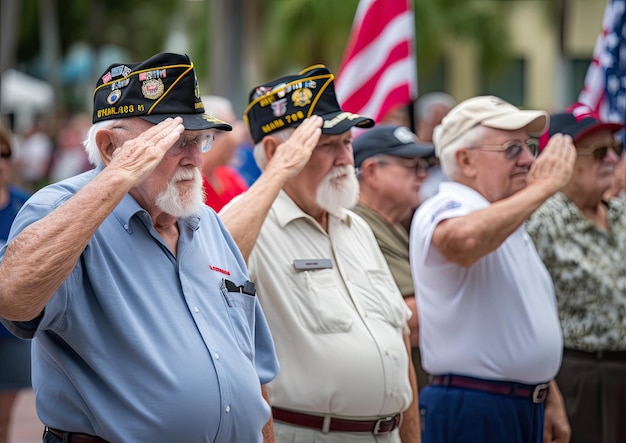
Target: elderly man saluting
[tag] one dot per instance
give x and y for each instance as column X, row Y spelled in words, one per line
column 490, row 331
column 145, row 327
column 336, row 315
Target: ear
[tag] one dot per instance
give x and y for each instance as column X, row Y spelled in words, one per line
column 466, row 162
column 368, row 171
column 269, row 146
column 105, row 140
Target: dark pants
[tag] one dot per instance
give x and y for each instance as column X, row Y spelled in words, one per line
column 456, row 415
column 594, row 392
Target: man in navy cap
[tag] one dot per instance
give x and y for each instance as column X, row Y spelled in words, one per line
column 145, row 327
column 391, row 168
column 337, row 317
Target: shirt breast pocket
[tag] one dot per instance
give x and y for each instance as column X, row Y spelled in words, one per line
column 380, row 298
column 241, row 305
column 321, row 306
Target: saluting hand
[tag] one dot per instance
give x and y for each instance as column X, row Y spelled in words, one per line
column 554, row 167
column 139, row 156
column 292, row 155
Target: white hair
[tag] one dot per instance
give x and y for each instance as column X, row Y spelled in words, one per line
column 259, row 153
column 91, row 147
column 427, row 102
column 218, row 107
column 447, row 156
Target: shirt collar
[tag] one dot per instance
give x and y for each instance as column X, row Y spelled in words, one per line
column 128, row 208
column 287, row 211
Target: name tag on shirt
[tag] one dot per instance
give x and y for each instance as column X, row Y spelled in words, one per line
column 314, row 263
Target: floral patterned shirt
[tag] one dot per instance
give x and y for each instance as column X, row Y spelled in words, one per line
column 588, row 267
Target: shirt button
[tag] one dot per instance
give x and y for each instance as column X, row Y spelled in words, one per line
column 195, row 309
column 227, row 409
column 217, row 356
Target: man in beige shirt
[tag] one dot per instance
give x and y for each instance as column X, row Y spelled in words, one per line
column 338, row 320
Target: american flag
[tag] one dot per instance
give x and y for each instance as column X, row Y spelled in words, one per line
column 604, row 90
column 378, row 71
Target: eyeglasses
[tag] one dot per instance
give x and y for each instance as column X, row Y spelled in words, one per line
column 599, row 152
column 203, row 142
column 6, row 155
column 419, row 165
column 512, row 149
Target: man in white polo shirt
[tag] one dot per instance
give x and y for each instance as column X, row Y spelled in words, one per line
column 489, row 329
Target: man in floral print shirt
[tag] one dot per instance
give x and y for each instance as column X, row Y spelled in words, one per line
column 582, row 240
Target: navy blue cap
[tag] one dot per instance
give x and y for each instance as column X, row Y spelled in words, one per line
column 394, row 140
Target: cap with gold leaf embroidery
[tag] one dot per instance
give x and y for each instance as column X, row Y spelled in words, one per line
column 165, row 85
column 287, row 101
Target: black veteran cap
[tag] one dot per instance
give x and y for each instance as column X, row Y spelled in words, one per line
column 394, row 140
column 287, row 101
column 163, row 86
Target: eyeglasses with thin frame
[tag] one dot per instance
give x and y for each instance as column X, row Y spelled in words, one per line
column 512, row 149
column 419, row 165
column 203, row 142
column 600, row 151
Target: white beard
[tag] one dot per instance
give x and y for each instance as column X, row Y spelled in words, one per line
column 338, row 190
column 179, row 204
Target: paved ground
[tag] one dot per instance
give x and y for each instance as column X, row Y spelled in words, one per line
column 25, row 427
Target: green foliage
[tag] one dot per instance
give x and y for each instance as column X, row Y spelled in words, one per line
column 298, row 33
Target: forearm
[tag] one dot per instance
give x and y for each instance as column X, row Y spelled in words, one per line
column 41, row 257
column 268, row 429
column 413, row 321
column 466, row 239
column 244, row 216
column 556, row 424
column 410, row 430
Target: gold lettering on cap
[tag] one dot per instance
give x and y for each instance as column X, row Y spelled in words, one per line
column 272, row 126
column 267, row 100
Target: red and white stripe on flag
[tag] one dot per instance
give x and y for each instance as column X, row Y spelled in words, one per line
column 604, row 89
column 378, row 72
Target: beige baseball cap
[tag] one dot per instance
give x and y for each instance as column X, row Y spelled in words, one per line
column 489, row 111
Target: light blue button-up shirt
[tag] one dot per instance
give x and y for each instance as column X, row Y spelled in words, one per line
column 139, row 345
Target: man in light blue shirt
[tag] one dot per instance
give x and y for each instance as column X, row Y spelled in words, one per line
column 144, row 324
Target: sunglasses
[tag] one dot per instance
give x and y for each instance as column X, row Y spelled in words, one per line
column 5, row 154
column 599, row 152
column 512, row 149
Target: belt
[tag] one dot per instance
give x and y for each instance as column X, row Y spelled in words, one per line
column 74, row 437
column 536, row 393
column 596, row 355
column 327, row 423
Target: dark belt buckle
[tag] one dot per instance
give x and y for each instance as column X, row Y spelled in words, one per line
column 540, row 393
column 380, row 422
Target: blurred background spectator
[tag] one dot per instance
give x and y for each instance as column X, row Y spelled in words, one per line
column 221, row 181
column 14, row 352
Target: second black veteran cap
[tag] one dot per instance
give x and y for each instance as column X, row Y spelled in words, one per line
column 163, row 86
column 287, row 101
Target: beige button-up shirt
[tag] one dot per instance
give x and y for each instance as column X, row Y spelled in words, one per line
column 335, row 313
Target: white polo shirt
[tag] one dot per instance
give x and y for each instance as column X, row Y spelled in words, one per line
column 335, row 313
column 494, row 320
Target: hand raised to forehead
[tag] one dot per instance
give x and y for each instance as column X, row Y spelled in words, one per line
column 292, row 155
column 141, row 155
column 554, row 167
